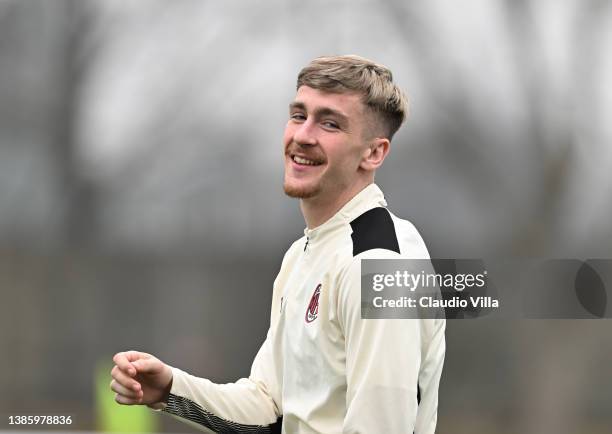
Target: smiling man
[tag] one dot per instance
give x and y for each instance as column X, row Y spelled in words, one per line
column 323, row 368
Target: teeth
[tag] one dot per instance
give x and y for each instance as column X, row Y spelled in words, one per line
column 301, row 160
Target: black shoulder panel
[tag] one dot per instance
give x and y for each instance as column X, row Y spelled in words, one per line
column 374, row 229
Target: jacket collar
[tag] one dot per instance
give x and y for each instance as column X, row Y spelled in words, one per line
column 368, row 198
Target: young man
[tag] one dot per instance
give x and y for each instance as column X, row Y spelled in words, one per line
column 322, row 368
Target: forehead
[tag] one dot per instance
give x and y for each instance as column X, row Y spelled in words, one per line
column 349, row 103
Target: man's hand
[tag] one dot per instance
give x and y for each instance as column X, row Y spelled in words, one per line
column 140, row 378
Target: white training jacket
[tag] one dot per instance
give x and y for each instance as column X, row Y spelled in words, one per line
column 322, row 368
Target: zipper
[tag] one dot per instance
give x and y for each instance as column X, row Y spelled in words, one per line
column 306, row 245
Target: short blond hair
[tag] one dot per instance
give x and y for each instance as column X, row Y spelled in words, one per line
column 350, row 73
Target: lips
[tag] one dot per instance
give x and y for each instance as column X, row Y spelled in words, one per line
column 301, row 158
column 305, row 161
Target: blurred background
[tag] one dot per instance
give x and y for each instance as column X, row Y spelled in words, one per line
column 141, row 202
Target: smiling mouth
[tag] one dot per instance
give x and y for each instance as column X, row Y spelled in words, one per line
column 305, row 161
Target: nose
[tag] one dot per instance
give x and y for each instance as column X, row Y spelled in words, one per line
column 304, row 134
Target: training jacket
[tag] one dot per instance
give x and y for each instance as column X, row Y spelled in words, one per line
column 322, row 368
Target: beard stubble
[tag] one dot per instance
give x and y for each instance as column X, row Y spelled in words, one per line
column 301, row 192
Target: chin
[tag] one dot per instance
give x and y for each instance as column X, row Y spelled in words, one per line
column 301, row 191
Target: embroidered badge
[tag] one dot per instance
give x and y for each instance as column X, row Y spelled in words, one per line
column 313, row 306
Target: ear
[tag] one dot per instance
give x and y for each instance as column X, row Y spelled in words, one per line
column 374, row 155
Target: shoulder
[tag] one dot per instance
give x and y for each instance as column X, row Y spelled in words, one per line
column 378, row 229
column 294, row 249
column 379, row 234
column 374, row 229
column 410, row 240
column 290, row 258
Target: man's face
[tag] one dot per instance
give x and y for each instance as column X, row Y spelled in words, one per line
column 324, row 143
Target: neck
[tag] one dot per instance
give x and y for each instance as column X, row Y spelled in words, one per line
column 317, row 210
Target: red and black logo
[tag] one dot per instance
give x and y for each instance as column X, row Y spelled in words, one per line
column 313, row 306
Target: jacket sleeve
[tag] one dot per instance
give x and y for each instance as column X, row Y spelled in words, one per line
column 246, row 406
column 251, row 405
column 383, row 358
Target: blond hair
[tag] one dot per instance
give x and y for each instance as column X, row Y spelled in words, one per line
column 350, row 73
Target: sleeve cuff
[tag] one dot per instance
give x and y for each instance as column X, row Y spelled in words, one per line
column 176, row 375
column 158, row 406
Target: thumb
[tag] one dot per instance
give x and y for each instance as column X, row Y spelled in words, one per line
column 148, row 366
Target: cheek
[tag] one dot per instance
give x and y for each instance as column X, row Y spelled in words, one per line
column 347, row 157
column 288, row 135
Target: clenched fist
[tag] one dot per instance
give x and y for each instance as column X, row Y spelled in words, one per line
column 140, row 378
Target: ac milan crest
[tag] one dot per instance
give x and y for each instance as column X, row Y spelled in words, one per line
column 313, row 307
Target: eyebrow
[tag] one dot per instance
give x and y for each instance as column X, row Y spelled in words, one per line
column 323, row 111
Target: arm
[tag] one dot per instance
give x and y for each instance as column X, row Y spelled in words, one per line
column 244, row 406
column 250, row 405
column 383, row 358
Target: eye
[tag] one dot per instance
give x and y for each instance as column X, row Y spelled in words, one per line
column 297, row 117
column 330, row 124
